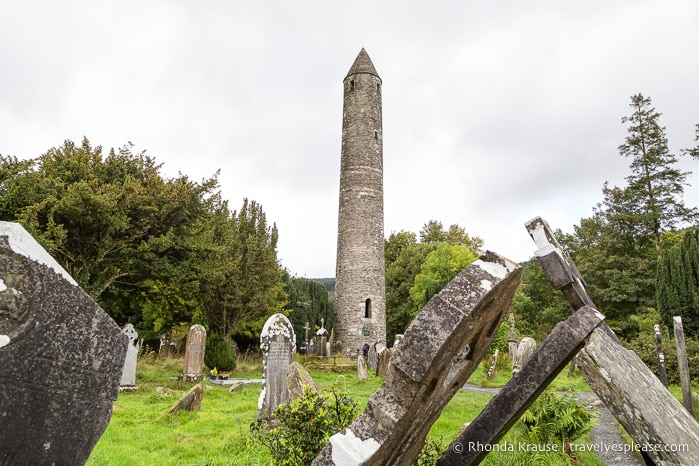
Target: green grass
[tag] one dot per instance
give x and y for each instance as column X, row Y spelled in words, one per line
column 142, row 433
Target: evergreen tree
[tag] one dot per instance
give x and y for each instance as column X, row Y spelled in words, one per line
column 678, row 283
column 655, row 185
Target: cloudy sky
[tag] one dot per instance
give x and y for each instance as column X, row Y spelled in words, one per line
column 494, row 112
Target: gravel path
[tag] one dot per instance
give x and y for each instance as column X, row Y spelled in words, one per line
column 605, row 438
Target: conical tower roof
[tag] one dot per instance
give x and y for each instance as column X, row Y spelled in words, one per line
column 363, row 64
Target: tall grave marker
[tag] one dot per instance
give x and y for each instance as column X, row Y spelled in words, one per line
column 128, row 374
column 194, row 353
column 61, row 358
column 278, row 344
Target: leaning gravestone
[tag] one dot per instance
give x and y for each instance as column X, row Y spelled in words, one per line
column 383, row 359
column 61, row 358
column 278, row 344
column 194, row 353
column 128, row 374
column 297, row 380
column 440, row 349
column 525, row 349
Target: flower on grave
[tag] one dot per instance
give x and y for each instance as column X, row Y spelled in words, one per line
column 214, row 372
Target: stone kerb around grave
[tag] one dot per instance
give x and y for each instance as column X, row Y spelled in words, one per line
column 440, row 349
column 61, row 358
column 278, row 344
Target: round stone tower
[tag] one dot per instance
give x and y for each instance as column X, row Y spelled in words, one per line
column 360, row 289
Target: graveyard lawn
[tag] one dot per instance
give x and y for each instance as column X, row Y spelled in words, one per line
column 142, row 433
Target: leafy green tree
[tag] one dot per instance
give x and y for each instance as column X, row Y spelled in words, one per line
column 403, row 261
column 245, row 282
column 159, row 253
column 440, row 266
column 113, row 222
column 538, row 307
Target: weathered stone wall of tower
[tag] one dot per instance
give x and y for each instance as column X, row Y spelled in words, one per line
column 360, row 288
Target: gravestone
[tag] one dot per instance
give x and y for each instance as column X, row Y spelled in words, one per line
column 128, row 374
column 278, row 344
column 194, row 353
column 372, row 356
column 512, row 338
column 190, row 401
column 61, row 358
column 661, row 355
column 298, row 379
column 362, row 370
column 322, row 335
column 525, row 349
column 441, row 348
column 493, row 364
column 682, row 364
column 384, row 358
column 164, row 349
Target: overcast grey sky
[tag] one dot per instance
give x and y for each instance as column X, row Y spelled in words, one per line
column 494, row 112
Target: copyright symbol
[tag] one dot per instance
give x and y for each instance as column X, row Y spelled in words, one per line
column 458, row 447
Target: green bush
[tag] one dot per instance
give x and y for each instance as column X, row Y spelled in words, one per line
column 553, row 418
column 304, row 426
column 219, row 354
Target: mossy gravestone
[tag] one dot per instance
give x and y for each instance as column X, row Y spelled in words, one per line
column 278, row 344
column 61, row 358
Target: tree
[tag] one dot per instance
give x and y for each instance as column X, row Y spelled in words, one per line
column 244, row 283
column 618, row 248
column 537, row 305
column 678, row 283
column 308, row 302
column 113, row 222
column 439, row 267
column 655, row 185
column 403, row 261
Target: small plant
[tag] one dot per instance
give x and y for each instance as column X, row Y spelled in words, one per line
column 304, row 426
column 431, row 453
column 553, row 418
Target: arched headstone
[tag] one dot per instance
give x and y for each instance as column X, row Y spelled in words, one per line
column 194, row 354
column 278, row 344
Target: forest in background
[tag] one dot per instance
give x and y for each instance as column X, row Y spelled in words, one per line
column 163, row 253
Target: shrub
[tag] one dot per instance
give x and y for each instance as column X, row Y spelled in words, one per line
column 304, row 426
column 555, row 418
column 219, row 354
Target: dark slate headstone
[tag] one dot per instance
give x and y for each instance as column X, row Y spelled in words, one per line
column 61, row 358
column 278, row 344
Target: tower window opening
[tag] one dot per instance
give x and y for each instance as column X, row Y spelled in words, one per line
column 378, row 87
column 351, row 84
column 376, row 134
column 367, row 308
